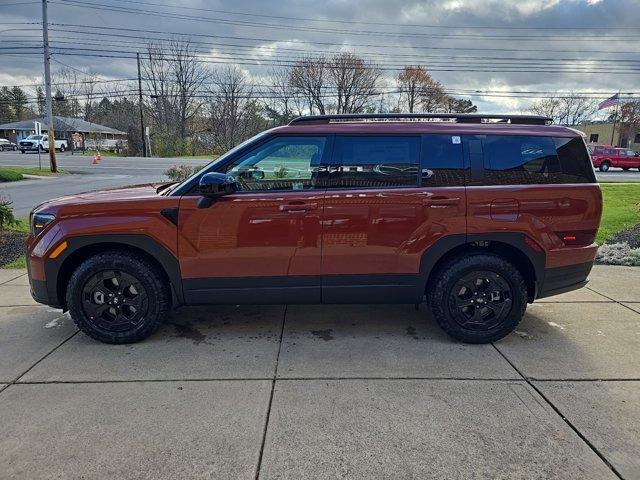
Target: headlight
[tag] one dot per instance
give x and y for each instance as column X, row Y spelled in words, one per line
column 39, row 221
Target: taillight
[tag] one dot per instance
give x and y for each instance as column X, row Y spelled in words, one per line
column 577, row 237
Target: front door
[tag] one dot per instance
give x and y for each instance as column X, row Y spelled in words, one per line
column 261, row 244
column 389, row 200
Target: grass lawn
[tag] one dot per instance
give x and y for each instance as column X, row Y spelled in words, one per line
column 621, row 208
column 13, row 174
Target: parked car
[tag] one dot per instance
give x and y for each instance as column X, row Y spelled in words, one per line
column 7, row 145
column 605, row 156
column 476, row 217
column 41, row 142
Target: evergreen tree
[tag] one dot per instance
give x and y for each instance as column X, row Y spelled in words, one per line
column 20, row 103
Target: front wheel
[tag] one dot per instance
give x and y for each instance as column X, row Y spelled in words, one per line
column 62, row 148
column 116, row 297
column 479, row 298
column 604, row 167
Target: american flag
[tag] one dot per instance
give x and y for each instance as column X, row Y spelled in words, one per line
column 609, row 102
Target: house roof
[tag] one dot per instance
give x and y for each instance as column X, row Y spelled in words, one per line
column 62, row 124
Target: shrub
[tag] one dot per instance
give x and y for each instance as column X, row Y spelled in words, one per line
column 179, row 173
column 619, row 254
column 6, row 214
column 9, row 175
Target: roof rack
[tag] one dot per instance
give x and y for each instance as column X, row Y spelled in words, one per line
column 450, row 117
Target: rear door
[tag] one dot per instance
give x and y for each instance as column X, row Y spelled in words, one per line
column 388, row 200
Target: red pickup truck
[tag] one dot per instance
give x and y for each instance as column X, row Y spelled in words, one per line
column 605, row 156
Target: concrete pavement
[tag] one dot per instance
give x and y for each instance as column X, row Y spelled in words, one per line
column 325, row 392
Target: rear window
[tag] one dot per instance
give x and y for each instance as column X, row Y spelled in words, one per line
column 375, row 161
column 527, row 160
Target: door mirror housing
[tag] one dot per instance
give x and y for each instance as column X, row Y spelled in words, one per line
column 217, row 184
column 213, row 185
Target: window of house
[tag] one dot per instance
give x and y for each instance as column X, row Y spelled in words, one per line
column 366, row 161
column 636, row 139
column 593, row 138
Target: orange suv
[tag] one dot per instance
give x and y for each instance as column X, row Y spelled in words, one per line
column 478, row 215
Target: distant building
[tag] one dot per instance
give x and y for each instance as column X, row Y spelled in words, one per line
column 624, row 136
column 80, row 133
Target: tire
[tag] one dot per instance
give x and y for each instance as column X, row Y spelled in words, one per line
column 626, row 169
column 62, row 148
column 604, row 166
column 22, row 151
column 506, row 295
column 113, row 320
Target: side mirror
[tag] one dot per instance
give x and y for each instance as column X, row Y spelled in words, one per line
column 213, row 185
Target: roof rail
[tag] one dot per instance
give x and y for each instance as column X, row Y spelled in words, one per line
column 451, row 117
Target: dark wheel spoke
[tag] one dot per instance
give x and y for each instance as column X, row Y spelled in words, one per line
column 114, row 300
column 480, row 300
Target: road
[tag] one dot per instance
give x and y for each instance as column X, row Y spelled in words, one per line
column 119, row 171
column 83, row 176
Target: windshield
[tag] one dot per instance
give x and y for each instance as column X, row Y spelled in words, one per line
column 214, row 162
column 34, row 137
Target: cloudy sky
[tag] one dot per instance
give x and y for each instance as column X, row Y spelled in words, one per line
column 502, row 54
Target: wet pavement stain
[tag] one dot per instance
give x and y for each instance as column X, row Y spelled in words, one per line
column 323, row 334
column 186, row 330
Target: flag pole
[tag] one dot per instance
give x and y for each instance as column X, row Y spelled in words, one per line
column 615, row 120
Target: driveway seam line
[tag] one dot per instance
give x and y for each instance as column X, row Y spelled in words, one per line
column 273, row 387
column 288, row 379
column 562, row 416
column 616, row 301
column 15, row 380
column 14, row 278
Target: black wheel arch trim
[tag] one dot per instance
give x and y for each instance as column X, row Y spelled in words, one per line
column 447, row 244
column 161, row 254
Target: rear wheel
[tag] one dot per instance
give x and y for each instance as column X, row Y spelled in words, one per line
column 62, row 148
column 21, row 151
column 604, row 166
column 626, row 169
column 479, row 298
column 115, row 297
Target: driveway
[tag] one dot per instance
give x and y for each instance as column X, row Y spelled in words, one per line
column 325, row 392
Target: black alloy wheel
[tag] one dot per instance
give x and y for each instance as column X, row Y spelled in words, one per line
column 114, row 301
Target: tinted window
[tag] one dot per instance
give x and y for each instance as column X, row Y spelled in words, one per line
column 523, row 160
column 442, row 163
column 282, row 163
column 374, row 161
column 517, row 160
column 574, row 161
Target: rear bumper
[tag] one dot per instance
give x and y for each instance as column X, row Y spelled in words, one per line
column 564, row 279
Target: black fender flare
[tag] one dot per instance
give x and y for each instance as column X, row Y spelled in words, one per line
column 444, row 245
column 161, row 254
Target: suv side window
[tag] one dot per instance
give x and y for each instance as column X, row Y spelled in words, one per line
column 574, row 161
column 282, row 163
column 442, row 161
column 527, row 160
column 518, row 160
column 368, row 161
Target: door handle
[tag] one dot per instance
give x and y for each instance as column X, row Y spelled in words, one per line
column 298, row 207
column 439, row 202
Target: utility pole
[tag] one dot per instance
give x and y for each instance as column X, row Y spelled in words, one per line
column 142, row 133
column 47, row 86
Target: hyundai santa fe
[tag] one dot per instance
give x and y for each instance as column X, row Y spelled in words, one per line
column 477, row 215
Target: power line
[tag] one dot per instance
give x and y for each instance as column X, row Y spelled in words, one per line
column 289, row 27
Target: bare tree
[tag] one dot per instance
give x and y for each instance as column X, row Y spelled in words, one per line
column 354, row 81
column 567, row 109
column 174, row 78
column 309, row 78
column 285, row 101
column 419, row 91
column 234, row 113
